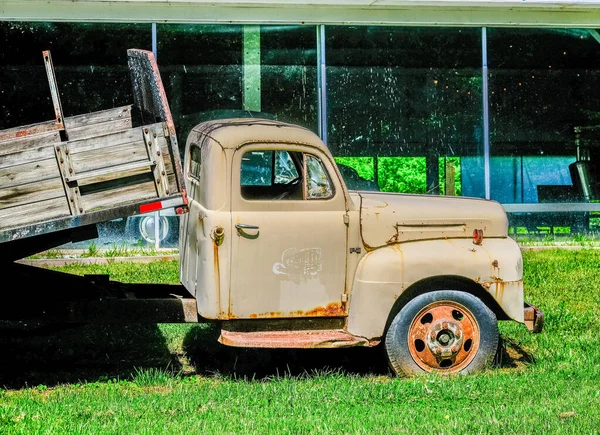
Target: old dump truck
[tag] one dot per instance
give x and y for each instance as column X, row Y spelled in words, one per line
column 273, row 246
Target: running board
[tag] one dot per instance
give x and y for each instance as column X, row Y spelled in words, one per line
column 304, row 339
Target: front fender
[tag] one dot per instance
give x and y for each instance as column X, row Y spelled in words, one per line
column 384, row 274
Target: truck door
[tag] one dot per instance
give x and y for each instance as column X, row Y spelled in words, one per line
column 289, row 236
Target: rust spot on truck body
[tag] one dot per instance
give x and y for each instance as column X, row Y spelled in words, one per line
column 305, row 339
column 334, row 309
column 217, row 269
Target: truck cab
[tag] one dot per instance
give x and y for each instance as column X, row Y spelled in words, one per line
column 279, row 252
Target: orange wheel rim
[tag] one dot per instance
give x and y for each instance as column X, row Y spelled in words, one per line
column 443, row 336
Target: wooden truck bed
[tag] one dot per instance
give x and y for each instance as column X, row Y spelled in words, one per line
column 94, row 167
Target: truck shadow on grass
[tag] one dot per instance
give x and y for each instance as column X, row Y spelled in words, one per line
column 210, row 358
column 49, row 355
column 512, row 355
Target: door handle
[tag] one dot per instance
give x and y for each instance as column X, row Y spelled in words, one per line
column 240, row 231
column 246, row 227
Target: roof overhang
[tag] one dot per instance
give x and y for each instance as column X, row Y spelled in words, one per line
column 544, row 13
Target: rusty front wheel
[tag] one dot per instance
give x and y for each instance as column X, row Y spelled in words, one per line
column 445, row 331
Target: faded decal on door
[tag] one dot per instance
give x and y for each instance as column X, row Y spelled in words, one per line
column 299, row 263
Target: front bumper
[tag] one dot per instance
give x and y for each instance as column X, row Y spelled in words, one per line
column 534, row 318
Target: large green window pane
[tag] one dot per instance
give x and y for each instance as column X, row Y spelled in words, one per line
column 544, row 117
column 90, row 61
column 411, row 93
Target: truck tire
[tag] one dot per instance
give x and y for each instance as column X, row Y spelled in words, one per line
column 445, row 331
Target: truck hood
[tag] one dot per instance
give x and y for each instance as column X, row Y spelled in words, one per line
column 390, row 218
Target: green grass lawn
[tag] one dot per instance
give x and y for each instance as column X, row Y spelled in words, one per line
column 177, row 379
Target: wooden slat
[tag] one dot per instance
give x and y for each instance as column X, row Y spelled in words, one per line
column 28, row 156
column 107, row 157
column 100, row 116
column 170, row 171
column 112, row 176
column 120, row 196
column 27, row 173
column 100, row 129
column 29, row 142
column 172, row 184
column 32, row 192
column 111, row 171
column 106, row 141
column 21, row 131
column 29, row 214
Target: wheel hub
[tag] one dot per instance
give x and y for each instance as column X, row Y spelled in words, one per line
column 443, row 336
column 444, row 339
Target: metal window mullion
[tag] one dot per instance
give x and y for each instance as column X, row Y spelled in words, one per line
column 486, row 117
column 154, row 41
column 322, row 83
column 156, row 213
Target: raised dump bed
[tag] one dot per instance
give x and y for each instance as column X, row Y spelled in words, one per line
column 81, row 170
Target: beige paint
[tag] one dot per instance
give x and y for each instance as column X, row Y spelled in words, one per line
column 387, row 218
column 296, row 264
column 383, row 274
column 299, row 263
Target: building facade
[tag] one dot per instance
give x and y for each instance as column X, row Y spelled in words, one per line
column 494, row 99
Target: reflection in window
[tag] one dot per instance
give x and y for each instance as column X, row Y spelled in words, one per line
column 257, row 169
column 412, row 95
column 235, row 71
column 90, row 61
column 544, row 126
column 285, row 171
column 277, row 175
column 318, row 185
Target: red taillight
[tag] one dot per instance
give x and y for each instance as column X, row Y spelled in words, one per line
column 181, row 210
column 151, row 207
column 477, row 236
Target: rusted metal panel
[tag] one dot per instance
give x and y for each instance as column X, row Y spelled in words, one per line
column 333, row 309
column 442, row 335
column 292, row 339
column 534, row 318
column 150, row 96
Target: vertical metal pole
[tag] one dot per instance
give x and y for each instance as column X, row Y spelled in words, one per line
column 154, row 41
column 486, row 116
column 251, row 98
column 322, row 82
column 156, row 213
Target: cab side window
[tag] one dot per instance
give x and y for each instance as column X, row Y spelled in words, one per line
column 195, row 162
column 283, row 175
column 318, row 184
